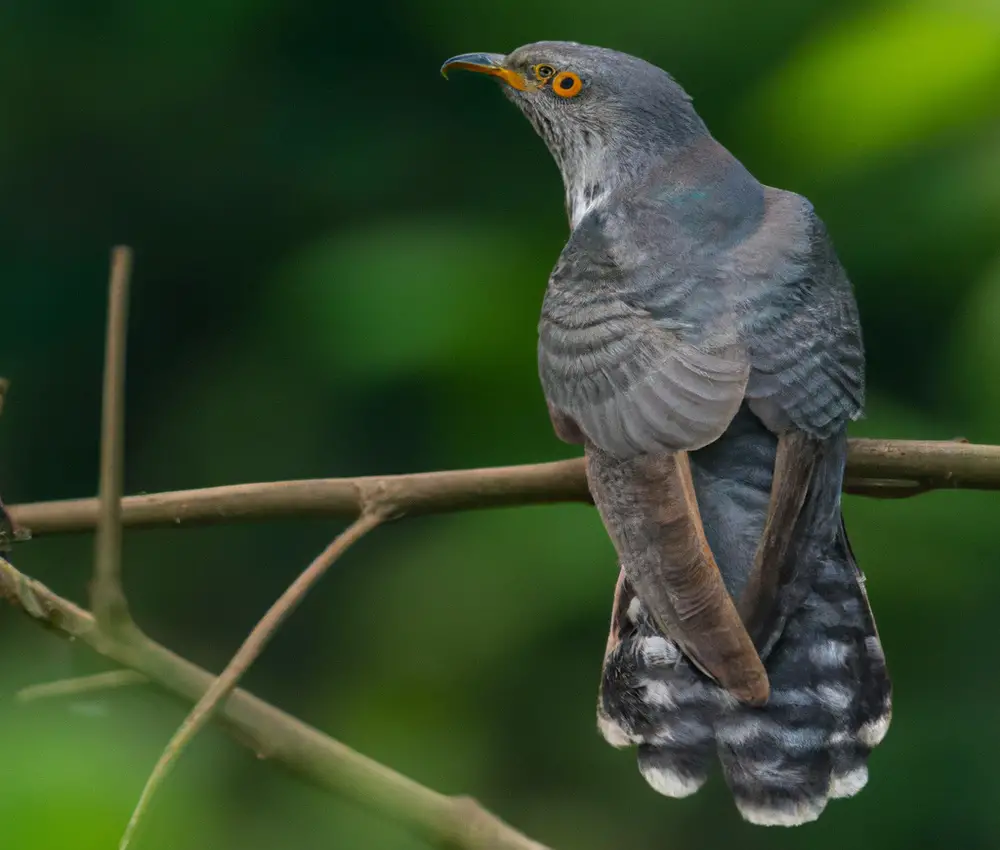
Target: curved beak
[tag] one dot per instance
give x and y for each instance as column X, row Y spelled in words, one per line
column 486, row 63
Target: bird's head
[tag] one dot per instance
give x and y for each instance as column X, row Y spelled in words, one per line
column 603, row 114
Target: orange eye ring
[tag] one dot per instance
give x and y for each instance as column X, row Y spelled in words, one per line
column 567, row 84
column 543, row 72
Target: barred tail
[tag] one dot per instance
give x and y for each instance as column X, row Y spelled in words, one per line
column 830, row 704
column 652, row 697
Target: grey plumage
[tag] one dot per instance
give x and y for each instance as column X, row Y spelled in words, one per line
column 670, row 305
column 694, row 310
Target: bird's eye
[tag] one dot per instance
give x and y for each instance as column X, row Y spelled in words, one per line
column 567, row 84
column 543, row 72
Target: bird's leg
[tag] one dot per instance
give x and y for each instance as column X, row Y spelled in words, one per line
column 650, row 509
column 774, row 563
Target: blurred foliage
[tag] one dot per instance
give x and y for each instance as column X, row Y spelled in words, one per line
column 339, row 263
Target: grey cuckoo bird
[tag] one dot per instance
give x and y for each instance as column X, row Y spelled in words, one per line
column 700, row 339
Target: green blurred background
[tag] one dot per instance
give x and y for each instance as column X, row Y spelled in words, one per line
column 339, row 263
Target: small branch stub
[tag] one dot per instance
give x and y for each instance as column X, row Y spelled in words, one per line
column 81, row 685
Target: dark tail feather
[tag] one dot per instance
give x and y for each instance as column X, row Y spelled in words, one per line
column 830, row 704
column 873, row 709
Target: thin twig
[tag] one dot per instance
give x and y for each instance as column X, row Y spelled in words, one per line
column 106, row 595
column 452, row 821
column 9, row 531
column 241, row 661
column 81, row 685
column 878, row 468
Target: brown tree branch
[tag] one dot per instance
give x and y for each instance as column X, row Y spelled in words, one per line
column 428, row 492
column 441, row 820
column 81, row 685
column 111, row 630
column 248, row 652
column 878, row 468
column 107, row 599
